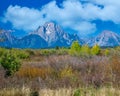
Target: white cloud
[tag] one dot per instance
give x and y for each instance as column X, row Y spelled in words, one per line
column 106, row 2
column 85, row 28
column 110, row 10
column 73, row 14
column 23, row 17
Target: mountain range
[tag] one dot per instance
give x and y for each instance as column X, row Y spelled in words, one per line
column 105, row 39
column 51, row 35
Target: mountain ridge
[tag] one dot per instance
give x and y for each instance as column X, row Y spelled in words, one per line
column 105, row 39
column 55, row 35
column 51, row 35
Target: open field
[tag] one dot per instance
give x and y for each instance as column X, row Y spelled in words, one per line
column 57, row 72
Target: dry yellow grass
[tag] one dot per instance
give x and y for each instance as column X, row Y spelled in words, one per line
column 33, row 72
column 57, row 92
column 15, row 92
column 62, row 92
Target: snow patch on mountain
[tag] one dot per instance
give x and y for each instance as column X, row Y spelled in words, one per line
column 105, row 39
column 54, row 35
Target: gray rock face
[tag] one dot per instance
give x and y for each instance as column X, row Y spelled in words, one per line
column 54, row 35
column 31, row 41
column 105, row 39
column 6, row 38
column 47, row 36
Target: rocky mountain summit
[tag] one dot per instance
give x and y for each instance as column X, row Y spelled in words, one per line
column 105, row 39
column 54, row 35
column 51, row 35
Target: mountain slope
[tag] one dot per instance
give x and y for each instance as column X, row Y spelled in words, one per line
column 51, row 35
column 54, row 35
column 6, row 38
column 105, row 39
column 31, row 41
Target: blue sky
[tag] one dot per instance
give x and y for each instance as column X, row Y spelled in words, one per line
column 84, row 17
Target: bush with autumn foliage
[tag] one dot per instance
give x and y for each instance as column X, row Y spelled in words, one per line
column 76, row 68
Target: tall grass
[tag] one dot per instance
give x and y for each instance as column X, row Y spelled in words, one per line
column 61, row 92
column 53, row 72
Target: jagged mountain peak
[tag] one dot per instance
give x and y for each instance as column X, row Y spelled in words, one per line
column 54, row 35
column 49, row 35
column 48, row 29
column 57, row 37
column 52, row 27
column 105, row 39
column 108, row 33
column 7, row 34
column 6, row 38
column 49, row 24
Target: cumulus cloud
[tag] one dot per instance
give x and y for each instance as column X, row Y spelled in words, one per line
column 106, row 2
column 23, row 17
column 110, row 10
column 74, row 15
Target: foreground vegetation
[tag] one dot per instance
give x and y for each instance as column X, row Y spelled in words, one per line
column 75, row 71
column 61, row 92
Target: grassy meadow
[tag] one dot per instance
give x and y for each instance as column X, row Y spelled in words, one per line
column 75, row 71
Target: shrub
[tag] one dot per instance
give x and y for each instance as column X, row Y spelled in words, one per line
column 115, row 70
column 62, row 51
column 75, row 48
column 83, row 92
column 77, row 92
column 95, row 50
column 106, row 52
column 34, row 93
column 10, row 63
column 47, row 52
column 30, row 52
column 57, row 47
column 66, row 72
column 85, row 50
column 23, row 55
